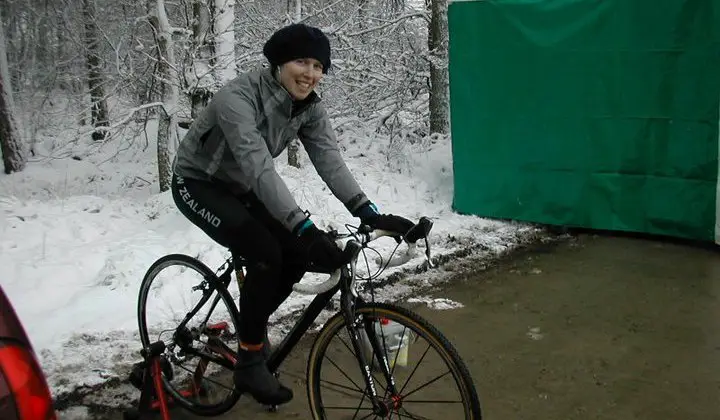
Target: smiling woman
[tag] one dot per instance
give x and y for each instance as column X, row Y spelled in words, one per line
column 225, row 183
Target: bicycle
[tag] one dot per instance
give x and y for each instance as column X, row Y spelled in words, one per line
column 381, row 339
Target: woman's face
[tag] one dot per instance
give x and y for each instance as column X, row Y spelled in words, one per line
column 300, row 76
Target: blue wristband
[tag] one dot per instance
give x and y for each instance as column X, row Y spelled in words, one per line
column 368, row 209
column 305, row 224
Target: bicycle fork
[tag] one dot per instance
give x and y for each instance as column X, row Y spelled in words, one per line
column 356, row 324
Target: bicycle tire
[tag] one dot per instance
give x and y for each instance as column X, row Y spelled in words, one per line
column 470, row 400
column 196, row 265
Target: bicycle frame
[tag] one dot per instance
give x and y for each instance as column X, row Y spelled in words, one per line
column 348, row 300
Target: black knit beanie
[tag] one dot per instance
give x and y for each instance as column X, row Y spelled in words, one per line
column 298, row 41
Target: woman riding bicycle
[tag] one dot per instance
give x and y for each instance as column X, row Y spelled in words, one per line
column 225, row 183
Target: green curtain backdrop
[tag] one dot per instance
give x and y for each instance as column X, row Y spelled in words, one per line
column 592, row 113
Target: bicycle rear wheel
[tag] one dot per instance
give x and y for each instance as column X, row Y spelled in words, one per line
column 430, row 379
column 182, row 303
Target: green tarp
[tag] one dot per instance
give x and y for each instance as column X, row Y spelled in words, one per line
column 591, row 113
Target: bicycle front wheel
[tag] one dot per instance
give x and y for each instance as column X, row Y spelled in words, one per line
column 196, row 318
column 429, row 379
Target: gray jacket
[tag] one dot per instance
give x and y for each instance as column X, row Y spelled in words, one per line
column 249, row 122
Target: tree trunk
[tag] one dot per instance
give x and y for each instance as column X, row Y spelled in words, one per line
column 163, row 150
column 298, row 10
column 44, row 32
column 362, row 24
column 167, row 137
column 293, row 151
column 439, row 79
column 13, row 152
column 224, row 37
column 94, row 66
column 200, row 80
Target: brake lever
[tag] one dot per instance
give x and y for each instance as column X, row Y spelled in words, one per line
column 364, row 229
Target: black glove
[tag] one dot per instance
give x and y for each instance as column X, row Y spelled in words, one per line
column 390, row 222
column 369, row 215
column 321, row 252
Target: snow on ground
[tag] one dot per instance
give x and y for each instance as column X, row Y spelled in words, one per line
column 79, row 233
column 436, row 303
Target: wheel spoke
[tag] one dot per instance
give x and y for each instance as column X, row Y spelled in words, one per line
column 354, row 390
column 431, row 401
column 409, row 415
column 205, row 378
column 407, row 381
column 425, row 384
column 359, row 405
column 331, row 407
column 344, row 374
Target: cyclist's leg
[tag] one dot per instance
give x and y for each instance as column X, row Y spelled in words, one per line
column 224, row 217
column 291, row 274
column 293, row 262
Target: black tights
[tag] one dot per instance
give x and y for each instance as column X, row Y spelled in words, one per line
column 243, row 224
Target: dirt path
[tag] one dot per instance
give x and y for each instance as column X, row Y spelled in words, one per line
column 599, row 328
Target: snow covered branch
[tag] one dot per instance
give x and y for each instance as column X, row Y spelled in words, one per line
column 390, row 23
column 129, row 117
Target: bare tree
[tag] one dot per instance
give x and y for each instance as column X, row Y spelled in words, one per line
column 13, row 153
column 293, row 151
column 224, row 35
column 167, row 135
column 439, row 79
column 210, row 63
column 95, row 79
column 200, row 80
